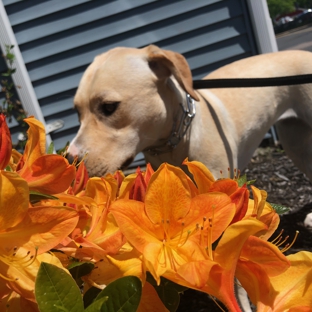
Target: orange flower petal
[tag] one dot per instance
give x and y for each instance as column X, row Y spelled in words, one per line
column 253, row 279
column 134, row 223
column 24, row 276
column 291, row 289
column 150, row 301
column 271, row 259
column 36, row 143
column 168, row 188
column 196, row 273
column 233, row 240
column 42, row 228
column 227, row 186
column 49, row 174
column 13, row 199
column 202, row 176
column 214, row 206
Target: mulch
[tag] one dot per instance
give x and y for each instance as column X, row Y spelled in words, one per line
column 286, row 185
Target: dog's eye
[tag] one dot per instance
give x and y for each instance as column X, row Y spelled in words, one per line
column 108, row 109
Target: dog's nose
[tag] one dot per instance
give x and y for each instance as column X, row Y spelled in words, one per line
column 71, row 158
column 72, row 153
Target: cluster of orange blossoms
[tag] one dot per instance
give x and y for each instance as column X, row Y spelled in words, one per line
column 201, row 233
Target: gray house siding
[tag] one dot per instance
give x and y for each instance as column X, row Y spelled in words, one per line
column 58, row 39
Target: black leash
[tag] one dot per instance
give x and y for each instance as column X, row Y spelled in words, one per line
column 251, row 82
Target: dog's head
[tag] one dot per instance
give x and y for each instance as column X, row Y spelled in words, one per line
column 124, row 103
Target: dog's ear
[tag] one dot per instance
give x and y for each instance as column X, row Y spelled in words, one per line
column 165, row 63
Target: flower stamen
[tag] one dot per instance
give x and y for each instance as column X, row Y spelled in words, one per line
column 17, row 261
column 278, row 237
column 288, row 246
column 209, row 239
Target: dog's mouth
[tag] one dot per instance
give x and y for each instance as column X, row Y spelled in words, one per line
column 127, row 163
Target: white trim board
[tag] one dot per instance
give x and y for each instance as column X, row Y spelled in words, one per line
column 20, row 78
column 262, row 26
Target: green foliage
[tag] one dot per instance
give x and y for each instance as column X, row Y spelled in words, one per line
column 79, row 269
column 123, row 295
column 50, row 148
column 57, row 291
column 243, row 180
column 36, row 196
column 279, row 208
column 277, row 7
column 90, row 296
column 11, row 106
column 96, row 306
column 307, row 4
column 168, row 292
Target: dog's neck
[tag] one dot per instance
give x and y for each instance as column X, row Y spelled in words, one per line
column 175, row 147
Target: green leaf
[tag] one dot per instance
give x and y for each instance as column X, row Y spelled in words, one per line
column 51, row 148
column 90, row 296
column 56, row 291
column 164, row 281
column 280, row 209
column 96, row 305
column 8, row 168
column 243, row 180
column 36, row 196
column 79, row 269
column 124, row 295
column 10, row 56
column 63, row 150
column 168, row 292
column 250, row 182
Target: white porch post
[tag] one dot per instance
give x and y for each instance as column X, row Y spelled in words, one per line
column 20, row 78
column 262, row 25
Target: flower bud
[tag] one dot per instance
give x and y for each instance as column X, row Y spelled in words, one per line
column 5, row 143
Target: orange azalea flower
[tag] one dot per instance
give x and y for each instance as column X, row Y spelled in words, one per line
column 127, row 263
column 202, row 176
column 206, row 183
column 13, row 302
column 5, row 143
column 263, row 211
column 48, row 174
column 96, row 234
column 150, row 301
column 162, row 228
column 215, row 274
column 26, row 233
column 259, row 261
column 290, row 291
column 134, row 185
column 81, row 178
